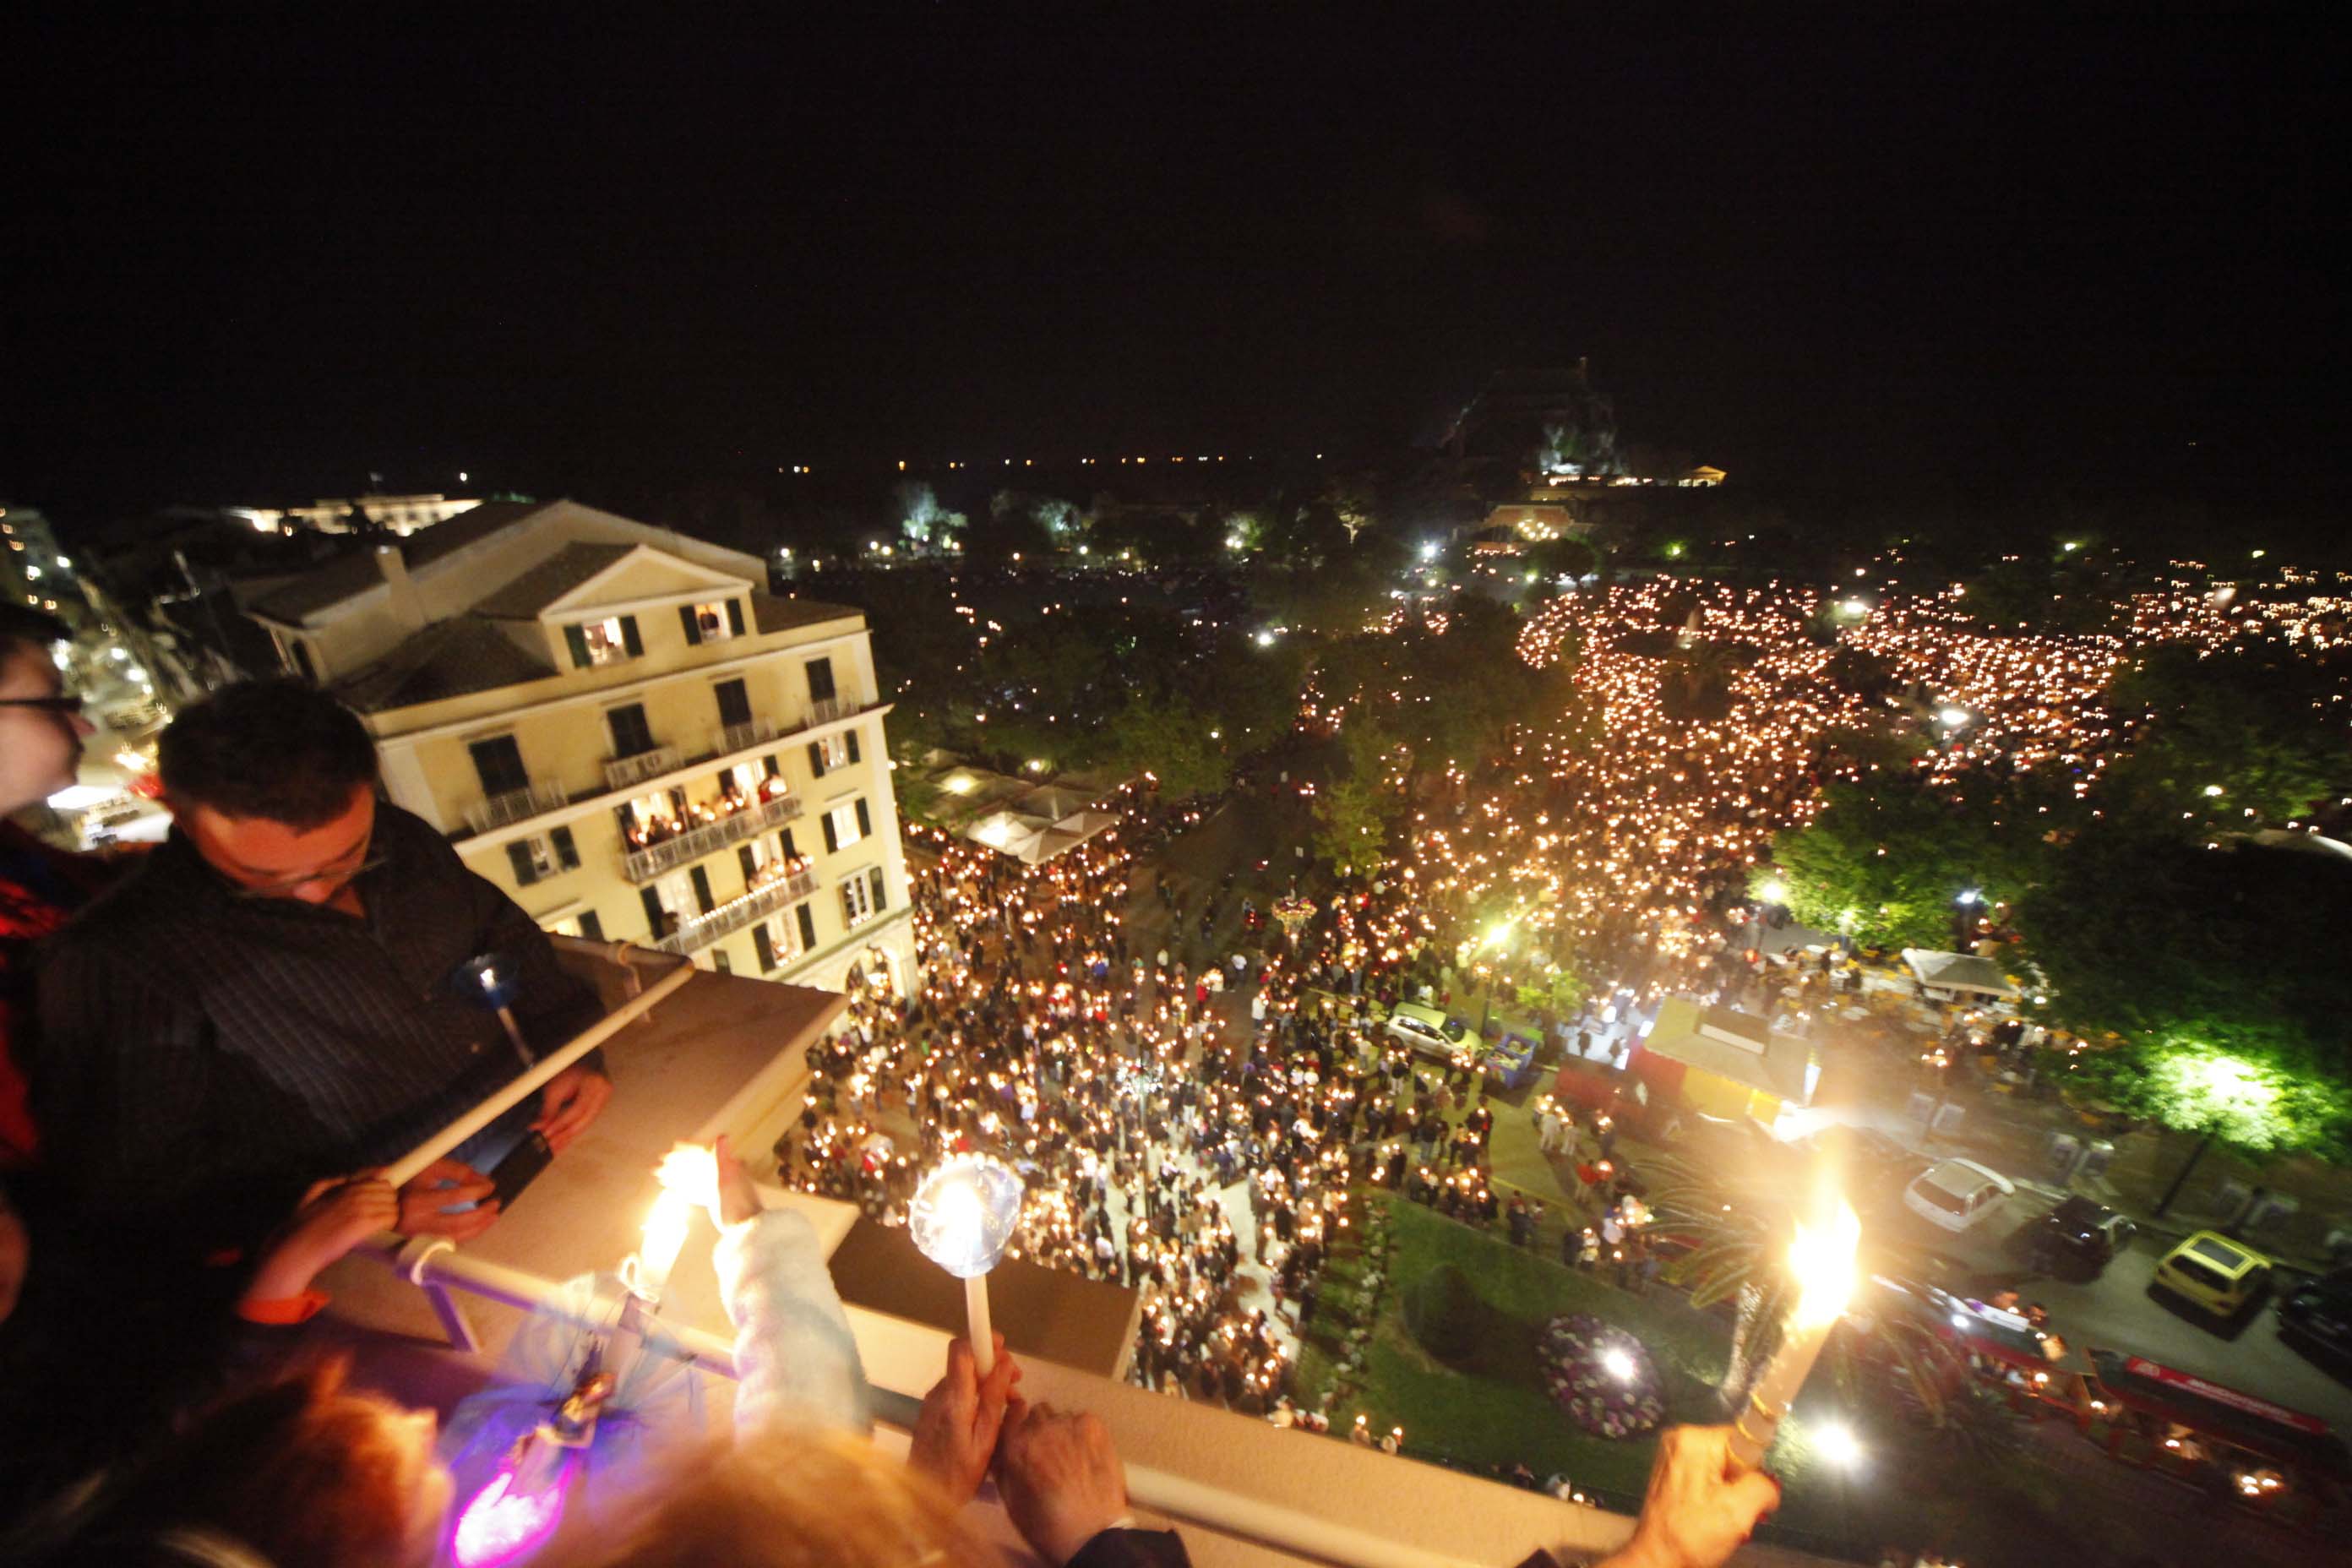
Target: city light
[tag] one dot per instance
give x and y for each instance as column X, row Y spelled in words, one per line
column 1837, row 1444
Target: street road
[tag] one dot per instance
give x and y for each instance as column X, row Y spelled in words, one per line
column 2116, row 1310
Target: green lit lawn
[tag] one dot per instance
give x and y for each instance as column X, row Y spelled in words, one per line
column 1492, row 1409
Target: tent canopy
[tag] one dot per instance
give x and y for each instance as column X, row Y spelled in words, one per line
column 1957, row 972
column 1733, row 1045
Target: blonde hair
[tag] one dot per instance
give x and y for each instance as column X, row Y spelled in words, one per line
column 787, row 1497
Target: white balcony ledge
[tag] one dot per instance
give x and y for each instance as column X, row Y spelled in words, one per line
column 725, row 1054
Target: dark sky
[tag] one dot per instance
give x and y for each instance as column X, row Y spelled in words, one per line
column 256, row 261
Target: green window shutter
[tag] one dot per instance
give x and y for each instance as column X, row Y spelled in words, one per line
column 832, row 841
column 864, row 821
column 766, row 949
column 692, row 627
column 590, row 926
column 853, row 744
column 576, row 639
column 518, row 857
column 735, row 617
column 567, row 853
column 785, row 839
column 775, row 768
column 629, row 637
column 743, row 858
column 848, row 909
column 702, row 895
column 678, row 801
column 817, row 761
column 880, row 902
column 721, row 962
column 655, row 916
column 808, row 928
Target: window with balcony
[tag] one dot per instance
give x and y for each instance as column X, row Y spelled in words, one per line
column 498, row 762
column 862, row 898
column 845, row 825
column 713, row 622
column 781, row 938
column 820, row 678
column 631, row 735
column 734, row 703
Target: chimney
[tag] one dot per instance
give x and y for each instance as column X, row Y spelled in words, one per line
column 405, row 607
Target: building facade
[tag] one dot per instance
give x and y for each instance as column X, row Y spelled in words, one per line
column 622, row 729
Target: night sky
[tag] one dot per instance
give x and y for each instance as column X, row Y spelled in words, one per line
column 253, row 263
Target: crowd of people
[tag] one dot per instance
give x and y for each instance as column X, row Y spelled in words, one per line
column 210, row 1056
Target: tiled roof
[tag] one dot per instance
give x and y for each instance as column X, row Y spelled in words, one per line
column 449, row 659
column 770, row 613
column 355, row 572
column 550, row 581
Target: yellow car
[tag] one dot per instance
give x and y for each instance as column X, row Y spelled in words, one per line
column 2214, row 1274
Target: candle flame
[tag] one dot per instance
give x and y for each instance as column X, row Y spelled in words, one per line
column 1822, row 1261
column 691, row 1170
column 664, row 1236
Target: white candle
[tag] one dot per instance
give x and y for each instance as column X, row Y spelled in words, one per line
column 1822, row 1261
column 962, row 1218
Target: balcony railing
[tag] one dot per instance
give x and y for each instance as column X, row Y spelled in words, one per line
column 761, row 902
column 620, row 773
column 826, row 709
column 741, row 737
column 514, row 806
column 644, row 865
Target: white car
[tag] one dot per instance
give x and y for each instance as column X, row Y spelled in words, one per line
column 1956, row 1194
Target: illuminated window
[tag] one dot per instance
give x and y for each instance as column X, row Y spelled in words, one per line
column 845, row 825
column 861, row 898
column 608, row 641
column 714, row 621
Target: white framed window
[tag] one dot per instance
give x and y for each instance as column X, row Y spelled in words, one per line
column 835, row 750
column 846, row 824
column 857, row 900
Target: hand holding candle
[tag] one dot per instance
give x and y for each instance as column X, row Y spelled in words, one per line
column 1822, row 1261
column 961, row 1218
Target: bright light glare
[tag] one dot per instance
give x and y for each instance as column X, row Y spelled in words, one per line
column 1265, row 639
column 690, row 1170
column 664, row 1236
column 1822, row 1261
column 1617, row 1363
column 1838, row 1444
column 499, row 1527
column 1775, row 891
column 2214, row 790
column 1951, row 717
column 1429, row 552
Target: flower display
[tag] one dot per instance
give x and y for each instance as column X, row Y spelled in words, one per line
column 1601, row 1376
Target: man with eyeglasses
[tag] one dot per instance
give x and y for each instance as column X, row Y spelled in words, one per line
column 276, row 996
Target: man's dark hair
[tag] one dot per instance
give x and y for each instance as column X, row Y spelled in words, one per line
column 272, row 749
column 20, row 623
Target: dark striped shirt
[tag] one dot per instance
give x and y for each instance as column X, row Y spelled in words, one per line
column 204, row 1056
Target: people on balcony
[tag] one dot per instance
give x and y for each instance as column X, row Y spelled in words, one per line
column 276, row 996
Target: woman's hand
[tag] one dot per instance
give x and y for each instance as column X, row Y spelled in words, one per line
column 955, row 1436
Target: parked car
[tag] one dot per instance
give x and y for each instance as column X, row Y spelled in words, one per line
column 1428, row 1030
column 1956, row 1195
column 2319, row 1311
column 2213, row 1273
column 2081, row 1232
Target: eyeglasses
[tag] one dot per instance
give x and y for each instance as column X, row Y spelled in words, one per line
column 58, row 705
column 358, row 863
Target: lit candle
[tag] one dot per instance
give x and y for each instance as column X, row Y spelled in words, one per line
column 688, row 1174
column 1823, row 1262
column 961, row 1218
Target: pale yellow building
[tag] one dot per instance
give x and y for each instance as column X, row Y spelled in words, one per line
column 623, row 728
